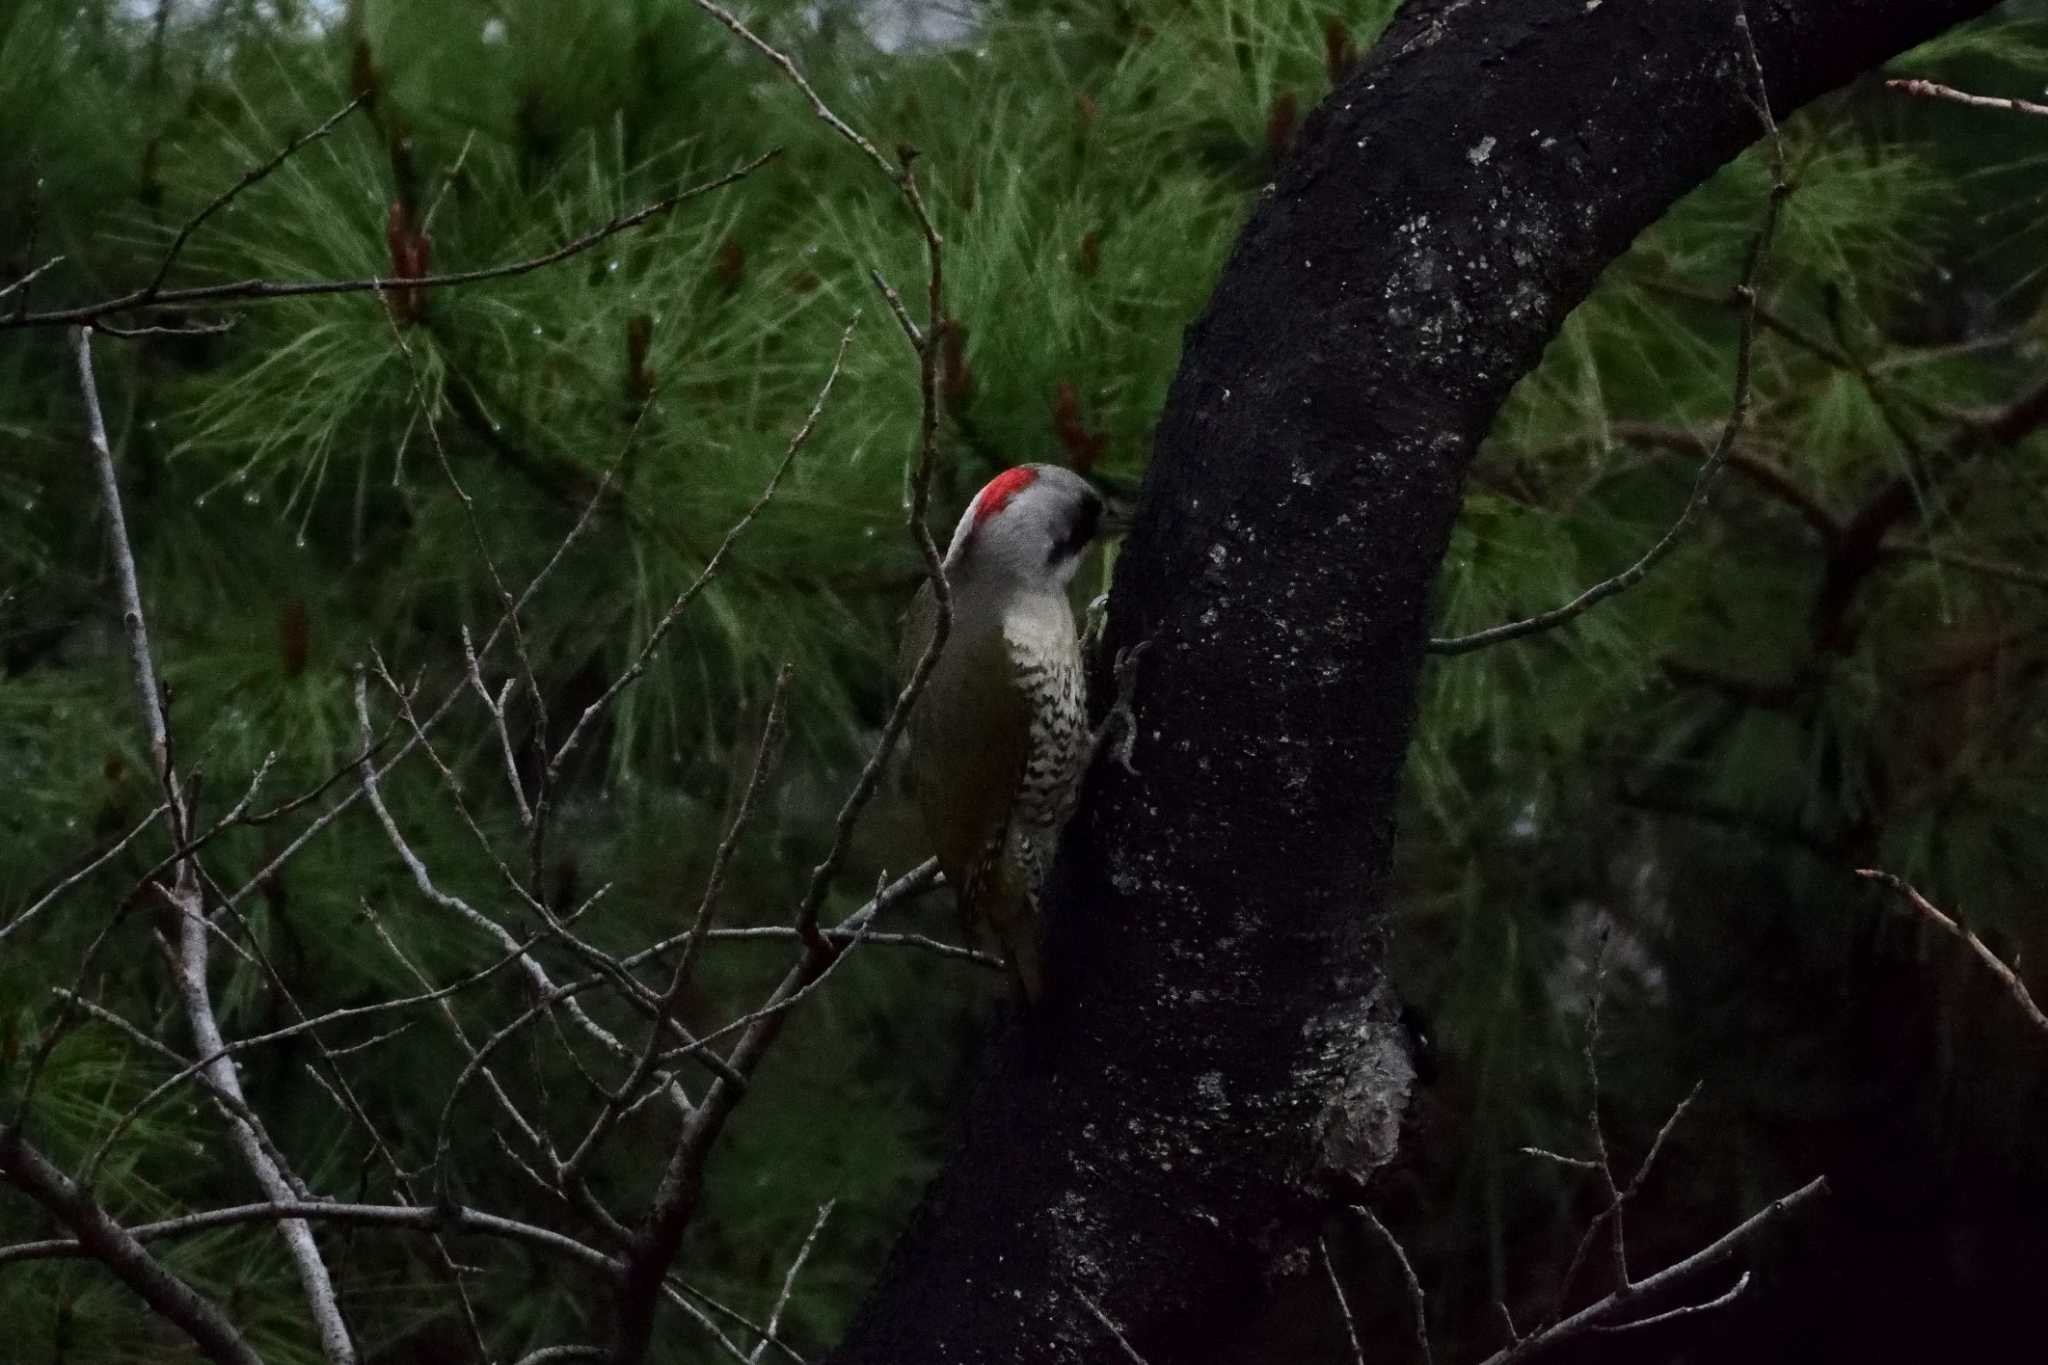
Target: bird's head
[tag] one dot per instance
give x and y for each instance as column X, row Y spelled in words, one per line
column 1029, row 526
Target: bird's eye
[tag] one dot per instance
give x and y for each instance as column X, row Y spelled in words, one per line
column 1086, row 521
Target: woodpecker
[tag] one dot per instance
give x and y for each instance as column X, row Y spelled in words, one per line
column 999, row 737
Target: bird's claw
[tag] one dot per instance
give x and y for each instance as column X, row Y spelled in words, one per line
column 1092, row 622
column 1121, row 717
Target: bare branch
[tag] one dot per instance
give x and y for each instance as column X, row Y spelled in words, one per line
column 711, row 565
column 2006, row 975
column 766, row 755
column 1759, row 470
column 260, row 291
column 1930, row 90
column 1577, row 1163
column 796, row 1268
column 448, row 700
column 1343, row 1304
column 675, row 1198
column 1687, row 1311
column 759, row 1331
column 100, row 1237
column 496, row 707
column 1738, row 412
column 534, row 817
column 26, row 280
column 796, row 78
column 156, row 329
column 1613, row 1214
column 1109, row 1326
column 259, row 1154
column 1966, row 563
column 1717, row 1253
column 99, row 861
column 911, row 330
column 249, row 177
column 435, row 1218
column 1417, row 1304
column 456, row 905
column 148, row 697
column 840, row 937
column 935, row 572
column 203, row 1067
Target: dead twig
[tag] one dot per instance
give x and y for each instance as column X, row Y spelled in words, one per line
column 99, row 860
column 2009, row 978
column 1738, row 412
column 263, row 291
column 1343, row 1304
column 766, row 755
column 441, row 708
column 709, row 572
column 1417, row 1304
column 1599, row 1314
column 248, row 178
column 1109, row 1325
column 1931, row 90
column 258, row 1153
column 32, row 276
column 96, row 1234
column 796, row 1268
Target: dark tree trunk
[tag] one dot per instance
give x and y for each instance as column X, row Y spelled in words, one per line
column 1216, row 1049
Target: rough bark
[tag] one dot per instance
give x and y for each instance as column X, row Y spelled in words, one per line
column 1216, row 1047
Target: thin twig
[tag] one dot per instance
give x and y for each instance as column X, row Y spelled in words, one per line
column 1417, row 1304
column 783, row 933
column 148, row 697
column 796, row 78
column 408, row 1217
column 1931, row 90
column 911, row 331
column 258, row 1153
column 1707, row 1258
column 121, row 1251
column 631, row 990
column 456, row 905
column 676, row 1196
column 766, row 755
column 248, row 178
column 796, row 1268
column 98, row 861
column 533, row 818
column 260, row 291
column 1577, row 1163
column 448, row 699
column 26, row 280
column 161, row 329
column 710, row 570
column 203, row 1067
column 1687, row 1311
column 2006, row 975
column 1343, row 1304
column 1738, row 412
column 1965, row 563
column 1109, row 1326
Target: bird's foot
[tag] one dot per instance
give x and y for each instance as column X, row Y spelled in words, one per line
column 1119, row 732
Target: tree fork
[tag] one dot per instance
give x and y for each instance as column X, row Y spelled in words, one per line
column 1217, row 1048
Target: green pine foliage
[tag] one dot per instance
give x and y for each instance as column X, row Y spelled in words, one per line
column 1691, row 771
